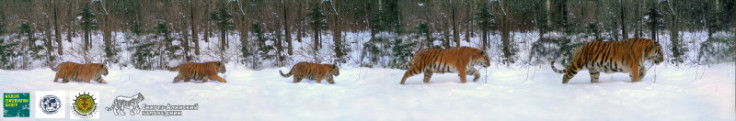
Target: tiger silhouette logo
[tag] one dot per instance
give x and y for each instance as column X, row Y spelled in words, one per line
column 124, row 102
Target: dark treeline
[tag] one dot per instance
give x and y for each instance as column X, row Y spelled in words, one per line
column 157, row 31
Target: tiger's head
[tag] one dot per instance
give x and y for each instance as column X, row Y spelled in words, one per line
column 220, row 67
column 333, row 70
column 654, row 52
column 481, row 59
column 101, row 68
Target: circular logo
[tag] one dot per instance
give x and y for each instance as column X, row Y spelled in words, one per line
column 50, row 104
column 84, row 105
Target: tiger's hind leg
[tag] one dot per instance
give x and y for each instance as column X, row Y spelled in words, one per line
column 415, row 69
column 427, row 76
column 594, row 74
column 178, row 78
column 570, row 72
column 56, row 78
column 187, row 79
column 297, row 79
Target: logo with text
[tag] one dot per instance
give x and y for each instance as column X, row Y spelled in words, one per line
column 50, row 104
column 84, row 106
column 16, row 105
column 133, row 105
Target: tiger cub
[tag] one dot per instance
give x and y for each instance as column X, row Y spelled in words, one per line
column 313, row 71
column 80, row 72
column 199, row 71
column 461, row 60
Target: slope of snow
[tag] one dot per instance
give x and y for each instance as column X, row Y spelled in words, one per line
column 502, row 93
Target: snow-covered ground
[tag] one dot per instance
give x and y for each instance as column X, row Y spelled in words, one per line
column 667, row 93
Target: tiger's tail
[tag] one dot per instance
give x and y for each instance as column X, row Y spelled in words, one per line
column 405, row 66
column 286, row 75
column 555, row 69
column 413, row 70
column 53, row 68
column 175, row 68
column 56, row 69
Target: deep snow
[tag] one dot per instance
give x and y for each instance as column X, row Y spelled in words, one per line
column 503, row 93
column 520, row 91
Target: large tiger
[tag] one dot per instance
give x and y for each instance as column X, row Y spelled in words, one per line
column 80, row 72
column 613, row 56
column 199, row 71
column 313, row 71
column 459, row 60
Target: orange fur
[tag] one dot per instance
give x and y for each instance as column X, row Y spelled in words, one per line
column 200, row 71
column 461, row 60
column 313, row 71
column 80, row 72
column 613, row 56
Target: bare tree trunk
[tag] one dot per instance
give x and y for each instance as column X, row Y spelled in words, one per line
column 286, row 28
column 485, row 39
column 207, row 23
column 300, row 24
column 193, row 23
column 446, row 34
column 223, row 39
column 60, row 47
column 106, row 35
column 623, row 21
column 549, row 13
column 244, row 29
column 455, row 35
column 279, row 47
column 316, row 39
column 70, row 27
column 86, row 40
column 47, row 40
column 185, row 40
column 337, row 37
column 505, row 33
column 69, row 31
column 467, row 32
column 337, row 31
column 674, row 31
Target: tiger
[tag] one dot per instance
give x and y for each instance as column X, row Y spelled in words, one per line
column 459, row 60
column 199, row 71
column 313, row 71
column 80, row 72
column 613, row 56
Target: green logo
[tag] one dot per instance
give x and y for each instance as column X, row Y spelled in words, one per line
column 16, row 105
column 84, row 105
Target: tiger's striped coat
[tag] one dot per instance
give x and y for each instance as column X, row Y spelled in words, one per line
column 613, row 56
column 461, row 60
